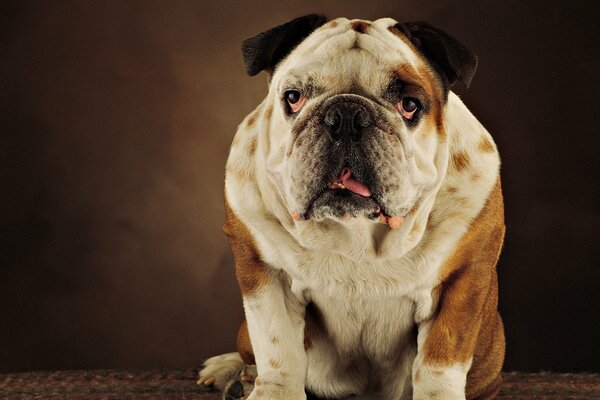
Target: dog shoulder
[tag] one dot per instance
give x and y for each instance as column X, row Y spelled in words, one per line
column 473, row 188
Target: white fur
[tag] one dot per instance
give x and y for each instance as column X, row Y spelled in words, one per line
column 371, row 283
column 437, row 381
column 223, row 368
column 275, row 324
column 443, row 382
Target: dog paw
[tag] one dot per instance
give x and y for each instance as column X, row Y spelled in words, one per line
column 242, row 385
column 218, row 371
column 276, row 392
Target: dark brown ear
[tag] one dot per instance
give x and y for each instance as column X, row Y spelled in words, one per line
column 453, row 60
column 265, row 50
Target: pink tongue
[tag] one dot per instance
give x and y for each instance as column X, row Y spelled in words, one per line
column 353, row 184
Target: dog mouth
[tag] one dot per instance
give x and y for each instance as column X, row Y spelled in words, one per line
column 346, row 181
column 346, row 197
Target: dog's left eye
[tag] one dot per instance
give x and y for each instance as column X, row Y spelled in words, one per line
column 408, row 107
column 295, row 99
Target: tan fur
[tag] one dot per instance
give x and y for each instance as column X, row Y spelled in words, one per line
column 460, row 160
column 402, row 36
column 252, row 146
column 360, row 26
column 486, row 145
column 268, row 112
column 251, row 121
column 424, row 78
column 250, row 270
column 467, row 322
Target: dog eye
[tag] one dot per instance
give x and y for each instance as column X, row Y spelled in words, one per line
column 293, row 96
column 408, row 107
column 295, row 99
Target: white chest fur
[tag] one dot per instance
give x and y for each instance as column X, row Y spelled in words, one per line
column 372, row 327
column 369, row 335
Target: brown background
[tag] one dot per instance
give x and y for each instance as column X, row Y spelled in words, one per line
column 116, row 121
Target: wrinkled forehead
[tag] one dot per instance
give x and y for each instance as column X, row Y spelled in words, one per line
column 347, row 51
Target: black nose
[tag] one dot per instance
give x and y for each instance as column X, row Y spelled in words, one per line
column 347, row 120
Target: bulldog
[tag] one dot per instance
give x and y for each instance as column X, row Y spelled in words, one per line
column 364, row 210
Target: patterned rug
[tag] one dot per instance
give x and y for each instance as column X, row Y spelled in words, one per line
column 120, row 385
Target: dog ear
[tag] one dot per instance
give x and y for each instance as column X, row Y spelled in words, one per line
column 265, row 50
column 453, row 60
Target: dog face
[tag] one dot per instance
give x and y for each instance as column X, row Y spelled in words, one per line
column 356, row 128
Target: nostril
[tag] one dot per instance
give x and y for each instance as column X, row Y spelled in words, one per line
column 333, row 118
column 361, row 119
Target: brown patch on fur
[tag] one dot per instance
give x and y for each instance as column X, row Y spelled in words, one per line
column 441, row 129
column 251, row 121
column 429, row 80
column 466, row 323
column 460, row 160
column 408, row 74
column 360, row 26
column 423, row 82
column 488, row 358
column 451, row 189
column 475, row 177
column 252, row 274
column 401, row 36
column 283, row 374
column 274, row 363
column 313, row 324
column 486, row 145
column 275, row 340
column 252, row 145
column 488, row 394
column 331, row 24
column 268, row 112
column 244, row 346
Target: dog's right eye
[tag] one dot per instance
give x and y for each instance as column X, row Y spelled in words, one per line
column 295, row 99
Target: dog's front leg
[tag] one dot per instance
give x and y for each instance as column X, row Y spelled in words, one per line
column 276, row 329
column 275, row 318
column 461, row 348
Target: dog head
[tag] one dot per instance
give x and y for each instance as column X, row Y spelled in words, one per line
column 356, row 113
